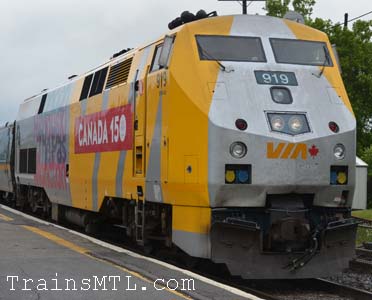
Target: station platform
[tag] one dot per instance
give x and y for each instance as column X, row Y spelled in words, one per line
column 40, row 260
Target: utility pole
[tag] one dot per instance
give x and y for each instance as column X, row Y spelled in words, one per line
column 346, row 20
column 244, row 7
column 244, row 4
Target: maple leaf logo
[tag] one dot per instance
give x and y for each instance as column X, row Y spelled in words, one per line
column 313, row 151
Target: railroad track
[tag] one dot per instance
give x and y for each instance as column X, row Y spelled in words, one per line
column 363, row 261
column 303, row 289
column 364, row 222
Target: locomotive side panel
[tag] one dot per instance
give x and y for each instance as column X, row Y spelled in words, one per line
column 192, row 86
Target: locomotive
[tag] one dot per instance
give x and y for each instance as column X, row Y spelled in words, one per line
column 230, row 138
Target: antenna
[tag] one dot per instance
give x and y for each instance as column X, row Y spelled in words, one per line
column 244, row 4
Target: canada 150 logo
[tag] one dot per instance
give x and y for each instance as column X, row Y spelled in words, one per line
column 109, row 130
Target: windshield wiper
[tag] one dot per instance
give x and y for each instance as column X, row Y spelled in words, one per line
column 325, row 63
column 209, row 56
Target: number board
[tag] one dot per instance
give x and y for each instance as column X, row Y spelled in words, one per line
column 276, row 78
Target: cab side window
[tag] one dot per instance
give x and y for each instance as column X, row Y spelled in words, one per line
column 155, row 62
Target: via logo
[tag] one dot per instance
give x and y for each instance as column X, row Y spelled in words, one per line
column 290, row 151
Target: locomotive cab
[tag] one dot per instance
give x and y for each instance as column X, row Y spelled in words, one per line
column 281, row 147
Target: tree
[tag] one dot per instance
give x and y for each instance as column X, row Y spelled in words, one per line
column 278, row 8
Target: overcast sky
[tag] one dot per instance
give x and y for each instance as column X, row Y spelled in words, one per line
column 42, row 42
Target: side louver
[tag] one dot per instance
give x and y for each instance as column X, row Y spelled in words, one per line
column 119, row 73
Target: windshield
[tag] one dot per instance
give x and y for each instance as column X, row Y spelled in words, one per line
column 230, row 48
column 301, row 52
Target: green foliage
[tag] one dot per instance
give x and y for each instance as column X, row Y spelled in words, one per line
column 277, row 8
column 364, row 214
column 355, row 51
column 366, row 155
column 363, row 235
column 304, row 7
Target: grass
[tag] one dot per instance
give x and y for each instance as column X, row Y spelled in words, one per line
column 365, row 214
column 363, row 235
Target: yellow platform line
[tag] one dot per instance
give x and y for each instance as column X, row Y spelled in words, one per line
column 4, row 167
column 60, row 241
column 5, row 218
column 56, row 239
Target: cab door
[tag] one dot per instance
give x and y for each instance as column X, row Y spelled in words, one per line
column 140, row 103
column 157, row 113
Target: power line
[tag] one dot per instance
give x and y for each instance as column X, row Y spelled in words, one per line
column 354, row 19
column 368, row 13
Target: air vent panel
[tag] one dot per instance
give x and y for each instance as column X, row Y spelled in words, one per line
column 119, row 73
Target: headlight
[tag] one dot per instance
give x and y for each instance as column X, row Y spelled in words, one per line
column 281, row 95
column 238, row 149
column 288, row 123
column 339, row 151
column 295, row 124
column 277, row 123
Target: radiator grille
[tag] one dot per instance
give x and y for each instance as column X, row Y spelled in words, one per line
column 119, row 73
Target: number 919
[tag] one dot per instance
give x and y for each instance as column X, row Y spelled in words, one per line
column 275, row 79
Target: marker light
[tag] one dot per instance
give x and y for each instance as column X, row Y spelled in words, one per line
column 339, row 151
column 333, row 127
column 243, row 176
column 230, row 176
column 238, row 174
column 238, row 149
column 296, row 124
column 333, row 177
column 241, row 124
column 339, row 175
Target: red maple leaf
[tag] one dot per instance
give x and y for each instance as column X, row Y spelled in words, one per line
column 313, row 151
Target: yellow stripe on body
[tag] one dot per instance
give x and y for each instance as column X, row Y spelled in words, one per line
column 191, row 219
column 332, row 74
column 110, row 160
column 5, row 218
column 186, row 107
column 81, row 250
column 81, row 165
